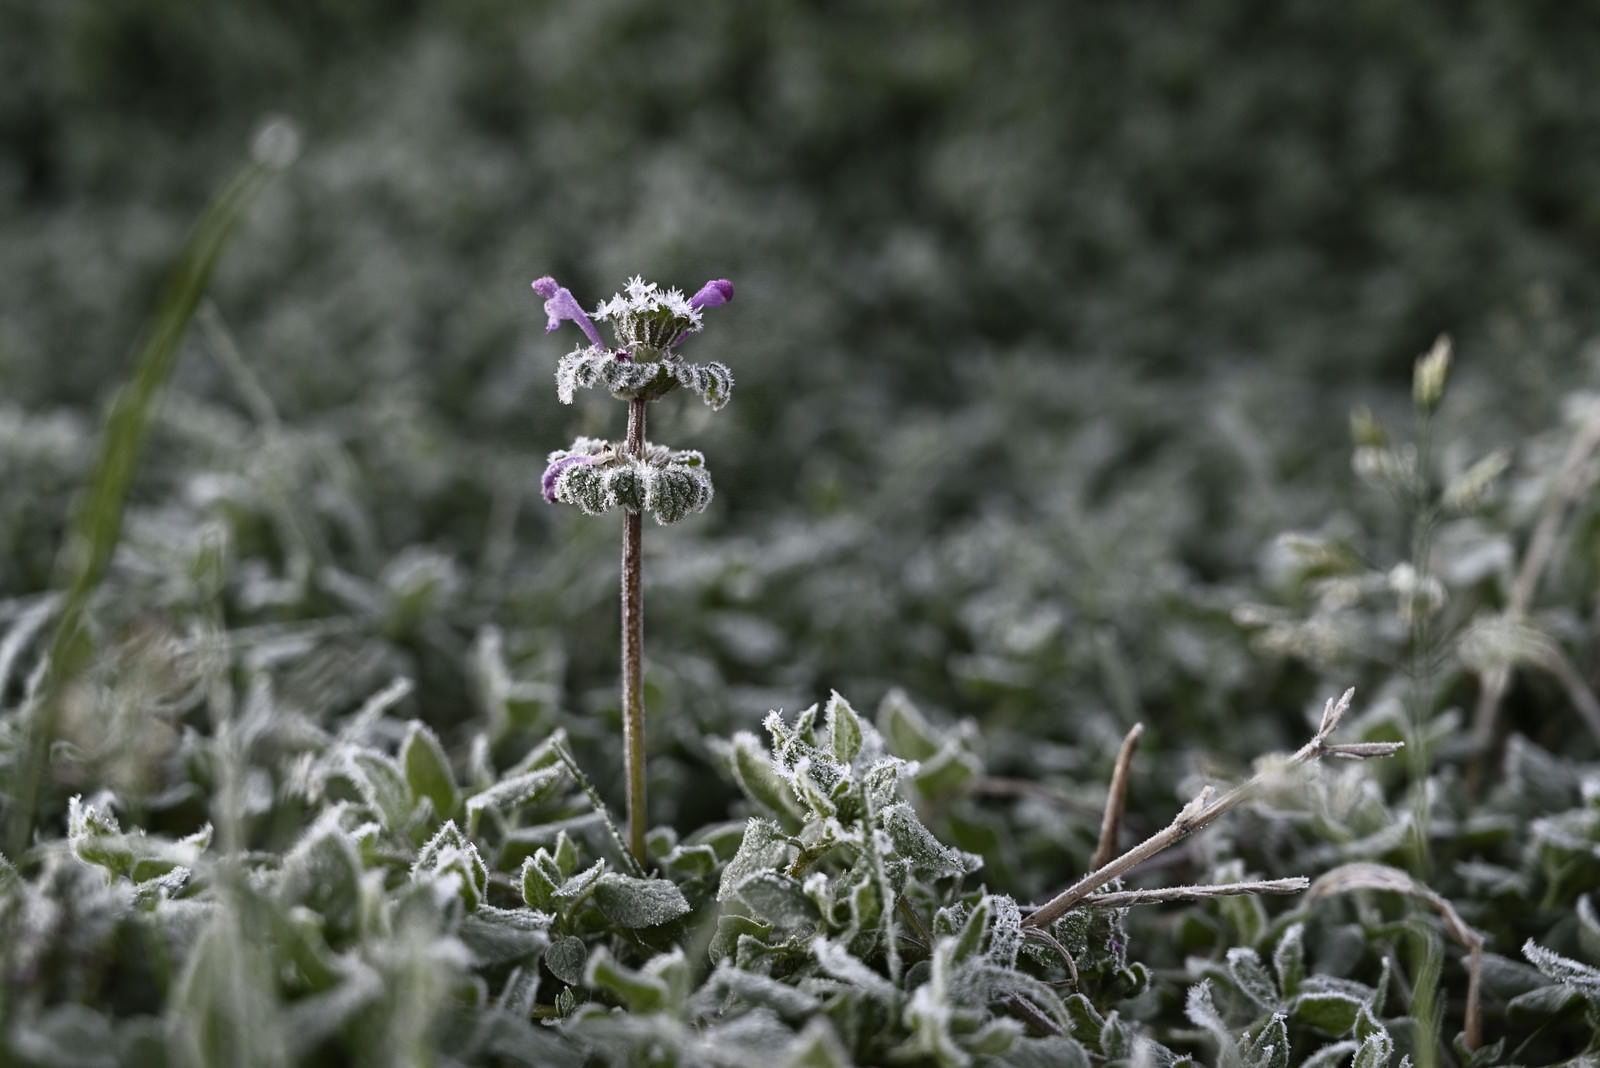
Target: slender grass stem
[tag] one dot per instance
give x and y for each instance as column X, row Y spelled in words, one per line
column 633, row 650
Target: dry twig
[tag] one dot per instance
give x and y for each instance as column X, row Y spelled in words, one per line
column 1161, row 895
column 1116, row 798
column 1205, row 810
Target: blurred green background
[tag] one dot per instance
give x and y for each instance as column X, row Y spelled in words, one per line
column 1049, row 318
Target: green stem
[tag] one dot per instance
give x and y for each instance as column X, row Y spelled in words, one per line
column 633, row 650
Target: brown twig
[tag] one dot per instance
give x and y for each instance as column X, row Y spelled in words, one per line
column 1116, row 798
column 1204, row 811
column 1123, row 898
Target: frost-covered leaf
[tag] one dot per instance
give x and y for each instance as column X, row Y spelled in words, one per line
column 779, row 900
column 1252, row 979
column 1202, row 1012
column 1581, row 977
column 497, row 936
column 508, row 794
column 842, row 965
column 579, row 886
column 450, row 859
column 565, row 958
column 817, row 1047
column 929, row 858
column 753, row 769
column 427, row 769
column 1331, row 1012
column 382, row 784
column 947, row 773
column 661, row 985
column 1376, row 1050
column 754, row 989
column 1051, row 1052
column 97, row 837
column 906, row 732
column 844, row 729
column 632, row 902
column 764, row 848
column 1270, row 1047
column 1289, row 959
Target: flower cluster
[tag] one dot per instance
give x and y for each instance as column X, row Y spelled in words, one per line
column 596, row 476
column 650, row 324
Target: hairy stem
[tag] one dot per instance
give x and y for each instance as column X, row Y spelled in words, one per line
column 633, row 650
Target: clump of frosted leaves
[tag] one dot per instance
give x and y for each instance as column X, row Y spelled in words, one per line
column 666, row 483
column 629, row 377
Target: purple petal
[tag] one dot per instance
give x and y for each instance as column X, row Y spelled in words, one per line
column 714, row 293
column 560, row 304
column 552, row 474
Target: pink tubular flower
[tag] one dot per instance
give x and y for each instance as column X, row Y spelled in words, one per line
column 560, row 304
column 714, row 293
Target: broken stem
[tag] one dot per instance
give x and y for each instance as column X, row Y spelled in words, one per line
column 1116, row 798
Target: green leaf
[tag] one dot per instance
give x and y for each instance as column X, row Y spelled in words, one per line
column 1289, row 959
column 1543, row 1003
column 764, row 848
column 1252, row 979
column 540, row 877
column 659, row 986
column 947, row 773
column 565, row 958
column 382, row 785
column 1270, row 1047
column 908, row 734
column 427, row 770
column 580, row 886
column 817, row 1047
column 632, row 902
column 778, row 900
column 1575, row 974
column 1087, row 1023
column 1052, row 1052
column 1376, row 1051
column 449, row 855
column 1331, row 1012
column 785, row 999
column 509, row 794
column 969, row 942
column 929, row 858
column 753, row 770
column 844, row 729
column 498, row 936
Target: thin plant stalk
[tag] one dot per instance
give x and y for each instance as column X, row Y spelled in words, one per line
column 633, row 649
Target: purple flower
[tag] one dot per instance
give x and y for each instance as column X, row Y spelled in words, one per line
column 713, row 294
column 552, row 474
column 560, row 304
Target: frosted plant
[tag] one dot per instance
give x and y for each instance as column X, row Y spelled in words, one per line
column 650, row 325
